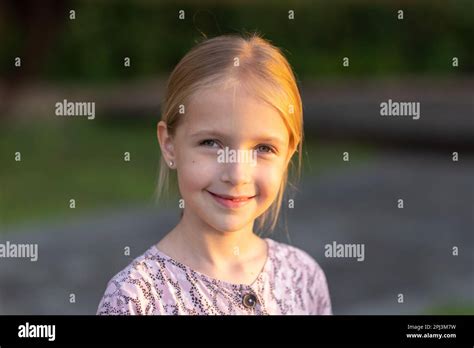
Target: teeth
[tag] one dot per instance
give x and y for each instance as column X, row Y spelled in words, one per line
column 236, row 199
column 233, row 199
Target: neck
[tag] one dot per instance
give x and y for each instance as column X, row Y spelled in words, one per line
column 200, row 243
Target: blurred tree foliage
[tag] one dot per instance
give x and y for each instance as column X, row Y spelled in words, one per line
column 92, row 47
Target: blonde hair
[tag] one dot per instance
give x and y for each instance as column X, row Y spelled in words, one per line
column 262, row 68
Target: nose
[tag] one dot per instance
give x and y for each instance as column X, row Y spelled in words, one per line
column 237, row 173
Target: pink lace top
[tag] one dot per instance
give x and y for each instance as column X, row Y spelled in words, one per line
column 291, row 282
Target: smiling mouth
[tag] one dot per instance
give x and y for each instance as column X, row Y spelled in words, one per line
column 232, row 198
column 231, row 201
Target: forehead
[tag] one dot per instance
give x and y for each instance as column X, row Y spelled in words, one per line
column 234, row 111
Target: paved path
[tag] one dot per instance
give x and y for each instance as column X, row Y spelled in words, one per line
column 406, row 250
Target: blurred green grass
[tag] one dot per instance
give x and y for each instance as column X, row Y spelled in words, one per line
column 453, row 308
column 84, row 160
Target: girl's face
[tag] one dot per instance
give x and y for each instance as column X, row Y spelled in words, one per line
column 220, row 118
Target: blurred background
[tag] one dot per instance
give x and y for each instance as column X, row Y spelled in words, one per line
column 427, row 56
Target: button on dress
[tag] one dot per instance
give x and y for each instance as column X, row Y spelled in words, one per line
column 291, row 282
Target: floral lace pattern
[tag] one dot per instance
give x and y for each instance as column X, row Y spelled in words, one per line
column 291, row 282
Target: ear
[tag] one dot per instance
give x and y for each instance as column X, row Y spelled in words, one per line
column 166, row 142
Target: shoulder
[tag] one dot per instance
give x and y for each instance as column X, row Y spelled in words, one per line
column 294, row 258
column 291, row 262
column 129, row 291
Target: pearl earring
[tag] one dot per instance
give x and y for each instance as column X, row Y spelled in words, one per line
column 171, row 163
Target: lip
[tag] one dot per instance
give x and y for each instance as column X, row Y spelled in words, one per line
column 231, row 201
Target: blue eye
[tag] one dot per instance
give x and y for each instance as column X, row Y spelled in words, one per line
column 208, row 142
column 268, row 148
column 261, row 148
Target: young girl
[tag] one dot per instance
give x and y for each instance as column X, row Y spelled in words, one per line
column 228, row 96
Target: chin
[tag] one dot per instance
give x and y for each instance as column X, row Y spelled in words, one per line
column 232, row 224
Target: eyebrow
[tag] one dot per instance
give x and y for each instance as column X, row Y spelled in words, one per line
column 212, row 132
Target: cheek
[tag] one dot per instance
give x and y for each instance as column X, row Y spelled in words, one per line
column 268, row 180
column 196, row 172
